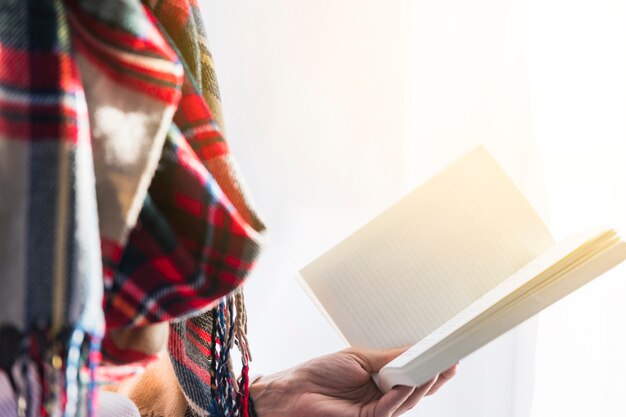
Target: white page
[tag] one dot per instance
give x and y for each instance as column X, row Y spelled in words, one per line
column 429, row 256
column 570, row 252
column 553, row 275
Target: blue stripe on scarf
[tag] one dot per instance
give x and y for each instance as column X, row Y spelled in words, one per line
column 42, row 223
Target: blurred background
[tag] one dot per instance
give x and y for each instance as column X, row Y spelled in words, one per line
column 335, row 109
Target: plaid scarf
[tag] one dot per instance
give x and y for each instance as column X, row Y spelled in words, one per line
column 120, row 204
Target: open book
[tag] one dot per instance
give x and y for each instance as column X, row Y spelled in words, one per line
column 456, row 263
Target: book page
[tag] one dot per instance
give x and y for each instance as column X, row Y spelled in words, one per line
column 428, row 257
column 552, row 264
column 545, row 280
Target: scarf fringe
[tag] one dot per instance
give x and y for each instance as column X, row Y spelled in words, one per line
column 55, row 376
column 231, row 394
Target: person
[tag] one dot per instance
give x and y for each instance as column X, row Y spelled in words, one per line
column 127, row 233
column 334, row 385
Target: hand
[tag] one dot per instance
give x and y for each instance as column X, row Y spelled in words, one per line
column 338, row 385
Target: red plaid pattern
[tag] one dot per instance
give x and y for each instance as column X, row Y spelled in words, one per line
column 196, row 237
column 189, row 248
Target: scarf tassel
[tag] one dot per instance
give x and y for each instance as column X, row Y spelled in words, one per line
column 54, row 378
column 230, row 394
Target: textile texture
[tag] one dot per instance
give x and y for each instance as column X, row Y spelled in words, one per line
column 121, row 207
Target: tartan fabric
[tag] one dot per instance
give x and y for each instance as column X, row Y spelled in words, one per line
column 110, row 122
column 50, row 268
column 188, row 249
column 183, row 23
column 203, row 343
column 133, row 80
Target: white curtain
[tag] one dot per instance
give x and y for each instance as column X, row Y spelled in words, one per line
column 334, row 109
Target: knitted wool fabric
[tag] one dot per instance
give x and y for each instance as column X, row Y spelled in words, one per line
column 52, row 221
column 114, row 174
column 216, row 392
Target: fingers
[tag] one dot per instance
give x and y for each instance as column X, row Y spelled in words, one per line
column 419, row 393
column 373, row 360
column 391, row 401
column 444, row 377
column 429, row 388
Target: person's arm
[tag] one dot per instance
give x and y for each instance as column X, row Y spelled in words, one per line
column 338, row 385
column 335, row 385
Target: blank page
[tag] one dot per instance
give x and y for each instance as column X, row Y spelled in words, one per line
column 428, row 257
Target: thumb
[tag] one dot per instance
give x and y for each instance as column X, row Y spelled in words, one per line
column 373, row 360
